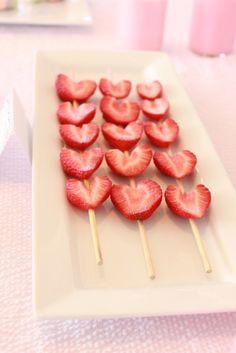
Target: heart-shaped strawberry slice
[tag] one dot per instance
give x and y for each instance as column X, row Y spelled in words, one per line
column 123, row 138
column 83, row 114
column 178, row 165
column 81, row 165
column 69, row 90
column 129, row 165
column 162, row 134
column 117, row 112
column 155, row 109
column 188, row 205
column 90, row 197
column 119, row 90
column 137, row 203
column 151, row 91
column 79, row 137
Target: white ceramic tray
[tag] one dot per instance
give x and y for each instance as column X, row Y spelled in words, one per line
column 64, row 13
column 67, row 281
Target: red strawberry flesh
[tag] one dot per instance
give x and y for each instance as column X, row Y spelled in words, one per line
column 176, row 166
column 83, row 114
column 137, row 203
column 90, row 197
column 129, row 165
column 123, row 138
column 79, row 137
column 151, row 91
column 155, row 109
column 117, row 112
column 119, row 90
column 82, row 164
column 69, row 90
column 162, row 134
column 188, row 205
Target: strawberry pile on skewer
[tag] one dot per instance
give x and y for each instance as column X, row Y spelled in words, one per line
column 178, row 165
column 123, row 131
column 192, row 205
column 79, row 164
column 124, row 136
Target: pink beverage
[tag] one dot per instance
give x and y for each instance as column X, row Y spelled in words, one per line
column 8, row 4
column 213, row 27
column 141, row 24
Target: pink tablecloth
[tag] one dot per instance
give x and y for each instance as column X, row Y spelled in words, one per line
column 211, row 84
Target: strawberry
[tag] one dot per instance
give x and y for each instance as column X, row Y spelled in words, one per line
column 178, row 165
column 137, row 203
column 81, row 165
column 83, row 114
column 149, row 91
column 117, row 112
column 162, row 134
column 69, row 90
column 131, row 165
column 90, row 197
column 155, row 109
column 123, row 138
column 79, row 137
column 188, row 205
column 119, row 90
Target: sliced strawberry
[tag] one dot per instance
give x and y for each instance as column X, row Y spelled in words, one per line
column 90, row 197
column 69, row 90
column 137, row 203
column 81, row 165
column 119, row 90
column 188, row 205
column 83, row 114
column 117, row 112
column 123, row 138
column 178, row 165
column 149, row 91
column 162, row 134
column 79, row 137
column 129, row 165
column 155, row 109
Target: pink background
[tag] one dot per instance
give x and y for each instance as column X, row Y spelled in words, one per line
column 211, row 84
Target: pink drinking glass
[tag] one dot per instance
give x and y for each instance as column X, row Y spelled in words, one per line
column 140, row 24
column 213, row 27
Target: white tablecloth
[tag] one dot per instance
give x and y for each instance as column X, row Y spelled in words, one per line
column 211, row 84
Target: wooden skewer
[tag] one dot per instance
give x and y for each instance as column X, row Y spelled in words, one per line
column 92, row 221
column 200, row 246
column 146, row 250
column 95, row 237
column 144, row 239
column 197, row 236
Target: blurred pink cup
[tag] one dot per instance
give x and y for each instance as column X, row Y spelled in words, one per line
column 140, row 24
column 213, row 27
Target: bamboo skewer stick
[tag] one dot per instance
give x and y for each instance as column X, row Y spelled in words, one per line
column 144, row 239
column 95, row 237
column 200, row 246
column 197, row 236
column 146, row 250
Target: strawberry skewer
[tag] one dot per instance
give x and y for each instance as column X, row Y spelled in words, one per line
column 130, row 165
column 164, row 135
column 125, row 114
column 92, row 221
column 195, row 230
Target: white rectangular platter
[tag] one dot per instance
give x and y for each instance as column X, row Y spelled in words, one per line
column 67, row 281
column 64, row 13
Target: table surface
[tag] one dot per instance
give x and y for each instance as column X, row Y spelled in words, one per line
column 211, row 85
